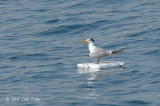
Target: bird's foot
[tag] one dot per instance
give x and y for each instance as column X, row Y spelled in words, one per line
column 98, row 61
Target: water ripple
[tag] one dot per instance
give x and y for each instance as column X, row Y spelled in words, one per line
column 138, row 102
column 40, row 50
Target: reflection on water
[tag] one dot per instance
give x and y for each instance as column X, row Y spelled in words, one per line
column 94, row 80
column 92, row 87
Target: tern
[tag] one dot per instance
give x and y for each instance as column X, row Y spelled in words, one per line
column 98, row 53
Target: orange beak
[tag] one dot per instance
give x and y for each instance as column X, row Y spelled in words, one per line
column 84, row 41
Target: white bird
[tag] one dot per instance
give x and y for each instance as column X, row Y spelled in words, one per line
column 97, row 53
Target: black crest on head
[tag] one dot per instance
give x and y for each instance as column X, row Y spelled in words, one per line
column 91, row 40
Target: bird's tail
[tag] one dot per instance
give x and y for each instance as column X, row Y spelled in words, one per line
column 117, row 51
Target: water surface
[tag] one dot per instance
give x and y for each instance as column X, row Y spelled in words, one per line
column 40, row 48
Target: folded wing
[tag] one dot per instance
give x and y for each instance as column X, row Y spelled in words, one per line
column 100, row 53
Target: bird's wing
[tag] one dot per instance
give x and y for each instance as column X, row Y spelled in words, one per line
column 115, row 51
column 99, row 53
column 103, row 51
column 99, row 50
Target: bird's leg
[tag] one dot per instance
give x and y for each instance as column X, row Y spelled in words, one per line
column 98, row 61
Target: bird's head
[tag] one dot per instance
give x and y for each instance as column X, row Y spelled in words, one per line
column 89, row 40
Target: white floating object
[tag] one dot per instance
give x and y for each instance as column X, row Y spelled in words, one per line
column 105, row 64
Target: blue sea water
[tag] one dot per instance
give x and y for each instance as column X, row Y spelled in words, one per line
column 40, row 49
